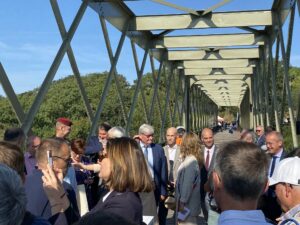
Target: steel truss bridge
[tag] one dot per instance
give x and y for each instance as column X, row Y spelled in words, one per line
column 208, row 71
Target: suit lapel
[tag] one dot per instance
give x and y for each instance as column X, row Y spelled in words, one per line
column 155, row 156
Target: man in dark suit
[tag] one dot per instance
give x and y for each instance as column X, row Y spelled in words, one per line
column 155, row 156
column 260, row 135
column 274, row 142
column 97, row 143
column 209, row 156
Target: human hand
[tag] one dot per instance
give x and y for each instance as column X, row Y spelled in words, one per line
column 180, row 206
column 78, row 165
column 162, row 197
column 52, row 184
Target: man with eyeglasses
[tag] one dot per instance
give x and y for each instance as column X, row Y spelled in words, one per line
column 155, row 156
column 286, row 179
column 275, row 148
column 260, row 136
column 33, row 142
column 38, row 203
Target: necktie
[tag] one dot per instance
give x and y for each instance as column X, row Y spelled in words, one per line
column 146, row 153
column 207, row 159
column 273, row 165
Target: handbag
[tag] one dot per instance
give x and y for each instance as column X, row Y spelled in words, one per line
column 170, row 203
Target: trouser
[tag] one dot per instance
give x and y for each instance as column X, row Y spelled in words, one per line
column 162, row 213
column 190, row 220
column 149, row 205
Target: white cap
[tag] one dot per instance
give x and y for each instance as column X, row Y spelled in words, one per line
column 180, row 127
column 287, row 171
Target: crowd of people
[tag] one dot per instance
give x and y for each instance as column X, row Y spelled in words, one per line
column 116, row 179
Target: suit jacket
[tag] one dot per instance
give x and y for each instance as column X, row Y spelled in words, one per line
column 205, row 173
column 93, row 146
column 37, row 200
column 188, row 184
column 261, row 140
column 159, row 170
column 177, row 161
column 124, row 204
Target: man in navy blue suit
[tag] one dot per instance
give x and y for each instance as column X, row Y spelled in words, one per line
column 94, row 146
column 97, row 143
column 275, row 148
column 155, row 156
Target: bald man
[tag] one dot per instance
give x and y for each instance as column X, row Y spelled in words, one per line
column 209, row 155
column 172, row 152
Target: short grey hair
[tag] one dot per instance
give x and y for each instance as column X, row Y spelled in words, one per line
column 243, row 170
column 12, row 197
column 277, row 134
column 146, row 129
column 116, row 132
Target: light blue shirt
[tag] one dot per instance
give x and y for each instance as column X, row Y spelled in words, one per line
column 150, row 158
column 277, row 159
column 70, row 178
column 245, row 217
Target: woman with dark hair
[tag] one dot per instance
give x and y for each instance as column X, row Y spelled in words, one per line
column 83, row 177
column 187, row 188
column 248, row 136
column 125, row 172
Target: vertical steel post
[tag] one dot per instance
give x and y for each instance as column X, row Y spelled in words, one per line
column 274, row 96
column 111, row 57
column 63, row 33
column 285, row 58
column 187, row 103
column 138, row 84
column 107, row 84
column 11, row 95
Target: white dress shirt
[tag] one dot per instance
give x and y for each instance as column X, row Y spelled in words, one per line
column 211, row 152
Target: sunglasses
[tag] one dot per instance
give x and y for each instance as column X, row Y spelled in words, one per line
column 258, row 130
column 102, row 156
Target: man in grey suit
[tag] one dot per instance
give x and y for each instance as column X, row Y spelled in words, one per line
column 260, row 135
column 172, row 152
column 209, row 155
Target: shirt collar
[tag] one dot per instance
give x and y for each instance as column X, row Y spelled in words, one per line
column 144, row 146
column 210, row 149
column 291, row 213
column 174, row 147
column 279, row 153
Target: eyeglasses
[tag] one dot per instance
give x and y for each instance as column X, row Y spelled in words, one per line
column 102, row 156
column 258, row 130
column 68, row 161
column 148, row 135
column 35, row 146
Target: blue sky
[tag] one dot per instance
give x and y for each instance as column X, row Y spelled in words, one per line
column 29, row 38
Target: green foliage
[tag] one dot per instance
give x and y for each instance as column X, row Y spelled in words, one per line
column 288, row 140
column 63, row 99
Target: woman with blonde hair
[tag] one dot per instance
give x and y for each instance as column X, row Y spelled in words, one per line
column 187, row 190
column 125, row 172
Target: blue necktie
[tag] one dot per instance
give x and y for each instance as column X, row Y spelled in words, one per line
column 146, row 153
column 273, row 165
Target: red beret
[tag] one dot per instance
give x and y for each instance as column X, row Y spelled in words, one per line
column 65, row 121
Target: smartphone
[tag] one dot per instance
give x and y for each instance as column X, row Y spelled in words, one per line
column 49, row 157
